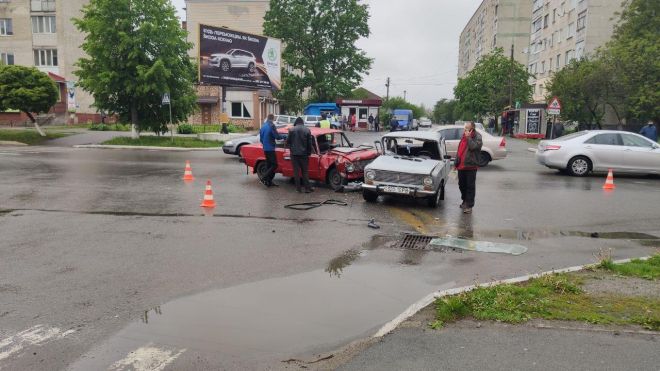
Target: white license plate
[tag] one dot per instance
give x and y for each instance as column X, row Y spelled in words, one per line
column 399, row 190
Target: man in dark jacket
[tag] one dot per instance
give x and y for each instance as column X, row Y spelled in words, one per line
column 300, row 142
column 467, row 163
column 267, row 135
column 650, row 131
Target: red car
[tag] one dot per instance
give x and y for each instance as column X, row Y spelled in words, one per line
column 334, row 160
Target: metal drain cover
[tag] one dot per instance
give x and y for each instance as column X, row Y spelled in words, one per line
column 415, row 242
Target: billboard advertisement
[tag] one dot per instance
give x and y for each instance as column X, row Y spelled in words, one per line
column 234, row 58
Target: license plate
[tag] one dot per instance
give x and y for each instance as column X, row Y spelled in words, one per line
column 399, row 190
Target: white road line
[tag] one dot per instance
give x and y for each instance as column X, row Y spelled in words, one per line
column 147, row 358
column 425, row 301
column 36, row 335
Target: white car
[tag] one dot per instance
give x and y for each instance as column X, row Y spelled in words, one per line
column 312, row 120
column 425, row 123
column 285, row 119
column 234, row 58
column 600, row 150
column 494, row 148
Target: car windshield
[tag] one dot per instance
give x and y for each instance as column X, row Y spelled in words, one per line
column 411, row 147
column 401, row 117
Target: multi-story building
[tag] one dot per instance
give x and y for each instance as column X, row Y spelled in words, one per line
column 244, row 106
column 563, row 30
column 41, row 33
column 495, row 24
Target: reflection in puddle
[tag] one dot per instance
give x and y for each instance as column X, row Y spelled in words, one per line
column 337, row 265
column 145, row 315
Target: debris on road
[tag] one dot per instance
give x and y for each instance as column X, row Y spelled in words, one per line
column 481, row 246
column 304, row 206
column 372, row 224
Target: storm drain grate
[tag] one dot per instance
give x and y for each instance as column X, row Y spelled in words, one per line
column 415, row 242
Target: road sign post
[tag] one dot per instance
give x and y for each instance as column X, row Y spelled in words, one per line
column 166, row 100
column 554, row 109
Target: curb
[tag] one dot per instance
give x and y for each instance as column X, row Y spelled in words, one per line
column 430, row 298
column 532, row 149
column 108, row 146
column 11, row 143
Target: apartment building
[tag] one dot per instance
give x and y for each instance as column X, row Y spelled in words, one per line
column 40, row 33
column 563, row 30
column 495, row 24
column 245, row 107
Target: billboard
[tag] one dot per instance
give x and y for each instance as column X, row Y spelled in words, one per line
column 234, row 58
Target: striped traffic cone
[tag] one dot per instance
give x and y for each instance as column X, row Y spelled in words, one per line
column 609, row 183
column 187, row 174
column 208, row 196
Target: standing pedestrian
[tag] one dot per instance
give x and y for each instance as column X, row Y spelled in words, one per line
column 650, row 131
column 300, row 143
column 377, row 123
column 344, row 122
column 324, row 123
column 371, row 121
column 353, row 122
column 267, row 135
column 467, row 163
column 558, row 129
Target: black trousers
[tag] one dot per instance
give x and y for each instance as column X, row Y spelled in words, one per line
column 467, row 183
column 271, row 163
column 301, row 170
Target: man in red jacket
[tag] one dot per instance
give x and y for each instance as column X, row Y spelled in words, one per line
column 467, row 163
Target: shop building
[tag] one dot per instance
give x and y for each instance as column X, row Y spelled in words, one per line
column 362, row 108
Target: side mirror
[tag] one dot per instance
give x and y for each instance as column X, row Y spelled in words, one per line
column 447, row 157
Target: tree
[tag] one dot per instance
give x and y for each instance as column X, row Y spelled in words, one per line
column 485, row 89
column 634, row 54
column 28, row 90
column 136, row 52
column 444, row 111
column 393, row 103
column 319, row 38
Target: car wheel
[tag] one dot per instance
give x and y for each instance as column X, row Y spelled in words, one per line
column 251, row 67
column 579, row 166
column 434, row 200
column 484, row 159
column 225, row 66
column 442, row 192
column 335, row 180
column 369, row 196
column 238, row 150
column 261, row 169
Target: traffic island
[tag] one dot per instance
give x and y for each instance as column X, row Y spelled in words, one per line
column 27, row 137
column 157, row 143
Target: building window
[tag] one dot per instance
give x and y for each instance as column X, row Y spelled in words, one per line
column 6, row 28
column 554, row 15
column 558, row 64
column 570, row 55
column 571, row 30
column 7, row 58
column 494, row 40
column 45, row 57
column 43, row 24
column 239, row 110
column 582, row 20
column 546, row 21
column 550, row 65
column 543, row 67
column 42, row 5
column 537, row 25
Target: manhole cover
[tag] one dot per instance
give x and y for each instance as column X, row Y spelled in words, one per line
column 415, row 242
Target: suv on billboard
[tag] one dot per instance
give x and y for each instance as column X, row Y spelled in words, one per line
column 234, row 58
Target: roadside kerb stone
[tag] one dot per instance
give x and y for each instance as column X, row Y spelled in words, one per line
column 11, row 143
column 218, row 137
column 151, row 148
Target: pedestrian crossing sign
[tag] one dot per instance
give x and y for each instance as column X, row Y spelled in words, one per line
column 554, row 108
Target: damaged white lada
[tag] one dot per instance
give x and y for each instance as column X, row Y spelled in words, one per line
column 412, row 164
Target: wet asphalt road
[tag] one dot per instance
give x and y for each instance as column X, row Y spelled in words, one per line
column 107, row 261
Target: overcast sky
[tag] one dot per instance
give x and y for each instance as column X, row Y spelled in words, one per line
column 415, row 43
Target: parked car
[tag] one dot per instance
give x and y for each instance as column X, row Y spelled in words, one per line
column 599, row 150
column 494, row 148
column 425, row 123
column 477, row 125
column 285, row 119
column 413, row 164
column 233, row 147
column 334, row 161
column 234, row 58
column 312, row 120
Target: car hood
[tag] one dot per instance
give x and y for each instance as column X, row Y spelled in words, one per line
column 400, row 164
column 355, row 154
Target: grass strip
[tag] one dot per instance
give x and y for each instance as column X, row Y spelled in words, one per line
column 28, row 136
column 647, row 269
column 554, row 297
column 164, row 141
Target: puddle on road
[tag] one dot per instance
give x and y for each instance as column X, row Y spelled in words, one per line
column 275, row 319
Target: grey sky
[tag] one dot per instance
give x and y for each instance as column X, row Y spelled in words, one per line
column 415, row 43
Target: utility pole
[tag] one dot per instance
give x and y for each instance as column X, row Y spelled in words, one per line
column 511, row 79
column 404, row 94
column 387, row 84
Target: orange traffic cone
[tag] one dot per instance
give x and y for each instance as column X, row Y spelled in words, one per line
column 187, row 174
column 609, row 183
column 208, row 196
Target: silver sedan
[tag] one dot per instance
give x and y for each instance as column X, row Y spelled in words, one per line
column 600, row 150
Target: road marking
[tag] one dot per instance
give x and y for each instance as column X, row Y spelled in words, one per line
column 409, row 218
column 36, row 335
column 430, row 298
column 147, row 358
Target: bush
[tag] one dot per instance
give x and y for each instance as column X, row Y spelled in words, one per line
column 185, row 129
column 99, row 127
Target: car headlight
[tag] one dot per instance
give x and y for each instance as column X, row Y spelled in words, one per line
column 230, row 143
column 370, row 175
column 350, row 167
column 428, row 181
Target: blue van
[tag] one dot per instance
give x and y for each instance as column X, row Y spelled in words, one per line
column 402, row 120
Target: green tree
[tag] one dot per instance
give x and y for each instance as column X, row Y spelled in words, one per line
column 445, row 111
column 485, row 89
column 28, row 90
column 319, row 38
column 398, row 103
column 136, row 52
column 634, row 54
